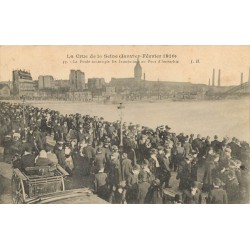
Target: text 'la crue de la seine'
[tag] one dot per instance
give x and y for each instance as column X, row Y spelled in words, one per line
column 121, row 58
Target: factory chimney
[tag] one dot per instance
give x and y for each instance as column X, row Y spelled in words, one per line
column 213, row 77
column 219, row 78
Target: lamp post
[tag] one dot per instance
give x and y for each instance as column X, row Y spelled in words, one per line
column 121, row 107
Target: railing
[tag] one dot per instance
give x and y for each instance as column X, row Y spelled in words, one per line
column 235, row 89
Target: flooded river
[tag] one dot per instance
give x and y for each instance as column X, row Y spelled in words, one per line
column 223, row 117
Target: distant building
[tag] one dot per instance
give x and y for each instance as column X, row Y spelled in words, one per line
column 4, row 90
column 84, row 96
column 23, row 83
column 49, row 83
column 110, row 90
column 61, row 84
column 130, row 82
column 95, row 83
column 9, row 83
column 77, row 80
column 45, row 82
column 138, row 71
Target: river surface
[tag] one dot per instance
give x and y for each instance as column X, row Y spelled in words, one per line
column 222, row 118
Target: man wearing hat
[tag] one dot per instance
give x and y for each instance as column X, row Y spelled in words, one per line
column 225, row 156
column 235, row 147
column 155, row 193
column 210, row 172
column 101, row 184
column 100, row 160
column 164, row 161
column 132, row 185
column 154, row 165
column 16, row 145
column 145, row 171
column 88, row 153
column 187, row 147
column 192, row 195
column 232, row 188
column 184, row 173
column 60, row 154
column 216, row 144
column 166, row 132
column 115, row 172
column 217, row 195
column 27, row 159
column 126, row 166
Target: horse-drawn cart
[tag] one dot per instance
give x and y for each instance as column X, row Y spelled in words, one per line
column 33, row 182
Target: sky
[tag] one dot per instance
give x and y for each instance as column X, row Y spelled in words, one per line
column 195, row 63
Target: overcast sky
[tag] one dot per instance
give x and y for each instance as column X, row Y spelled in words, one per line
column 48, row 60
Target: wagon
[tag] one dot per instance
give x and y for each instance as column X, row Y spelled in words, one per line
column 168, row 196
column 72, row 196
column 30, row 183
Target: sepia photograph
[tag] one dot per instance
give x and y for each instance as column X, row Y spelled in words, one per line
column 124, row 124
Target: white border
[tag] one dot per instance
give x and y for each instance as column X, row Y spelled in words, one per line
column 137, row 23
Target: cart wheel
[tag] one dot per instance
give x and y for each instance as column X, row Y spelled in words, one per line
column 62, row 184
column 18, row 194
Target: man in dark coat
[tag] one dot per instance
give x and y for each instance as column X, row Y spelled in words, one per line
column 184, row 173
column 164, row 162
column 143, row 187
column 101, row 184
column 217, row 195
column 187, row 147
column 27, row 159
column 132, row 185
column 192, row 195
column 216, row 144
column 244, row 185
column 126, row 167
column 211, row 166
column 61, row 156
column 154, row 165
column 115, row 174
column 89, row 152
column 100, row 160
column 232, row 188
column 235, row 148
column 155, row 193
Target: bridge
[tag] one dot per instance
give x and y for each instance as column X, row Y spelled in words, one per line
column 240, row 88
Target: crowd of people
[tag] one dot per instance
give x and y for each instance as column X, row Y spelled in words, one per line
column 133, row 168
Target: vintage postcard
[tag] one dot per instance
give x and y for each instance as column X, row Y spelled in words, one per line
column 124, row 124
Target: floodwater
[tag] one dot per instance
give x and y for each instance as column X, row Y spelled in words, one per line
column 222, row 117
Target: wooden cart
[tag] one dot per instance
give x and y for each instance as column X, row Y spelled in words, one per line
column 168, row 196
column 26, row 185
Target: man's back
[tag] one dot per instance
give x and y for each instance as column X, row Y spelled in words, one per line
column 217, row 196
column 101, row 179
column 27, row 161
column 52, row 157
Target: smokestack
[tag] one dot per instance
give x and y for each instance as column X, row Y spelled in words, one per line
column 219, row 78
column 144, row 77
column 241, row 78
column 209, row 82
column 213, row 77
